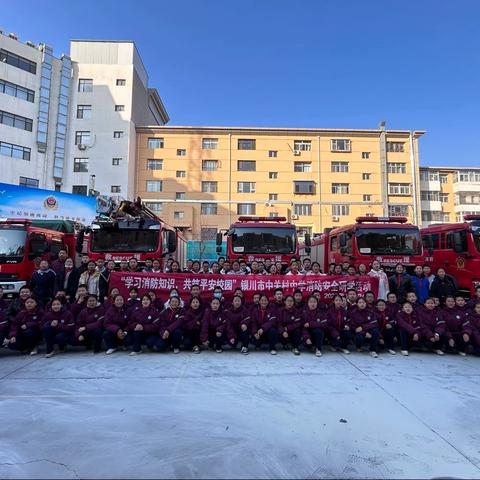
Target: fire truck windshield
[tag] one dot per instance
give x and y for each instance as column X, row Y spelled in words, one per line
column 476, row 235
column 384, row 241
column 12, row 242
column 107, row 240
column 264, row 240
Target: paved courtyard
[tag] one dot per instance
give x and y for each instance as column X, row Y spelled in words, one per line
column 226, row 415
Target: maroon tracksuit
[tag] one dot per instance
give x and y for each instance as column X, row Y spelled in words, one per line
column 408, row 325
column 387, row 326
column 337, row 320
column 431, row 322
column 213, row 322
column 92, row 320
column 291, row 321
column 236, row 317
column 77, row 307
column 4, row 326
column 317, row 326
column 30, row 335
column 62, row 333
column 475, row 325
column 366, row 319
column 457, row 323
column 192, row 323
column 149, row 319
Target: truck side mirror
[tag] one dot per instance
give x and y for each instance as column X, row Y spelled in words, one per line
column 219, row 240
column 308, row 241
column 172, row 241
column 457, row 242
column 219, row 249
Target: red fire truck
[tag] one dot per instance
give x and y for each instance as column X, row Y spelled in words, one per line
column 456, row 248
column 259, row 238
column 390, row 240
column 131, row 230
column 23, row 242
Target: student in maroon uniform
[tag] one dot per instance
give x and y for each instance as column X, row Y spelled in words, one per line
column 393, row 308
column 370, row 300
column 264, row 324
column 4, row 328
column 299, row 301
column 386, row 324
column 412, row 299
column 315, row 325
column 133, row 302
column 89, row 325
column 278, row 302
column 291, row 324
column 170, row 327
column 476, row 299
column 338, row 326
column 432, row 326
column 111, row 297
column 238, row 324
column 142, row 324
column 80, row 300
column 475, row 324
column 25, row 330
column 115, row 323
column 214, row 326
column 255, row 305
column 409, row 328
column 457, row 323
column 351, row 299
column 58, row 328
column 365, row 326
column 192, row 324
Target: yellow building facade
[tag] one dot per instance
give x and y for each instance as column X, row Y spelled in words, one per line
column 201, row 179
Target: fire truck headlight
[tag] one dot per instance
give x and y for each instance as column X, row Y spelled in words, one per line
column 154, row 227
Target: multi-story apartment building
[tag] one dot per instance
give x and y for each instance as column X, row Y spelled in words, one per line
column 449, row 193
column 201, row 179
column 68, row 123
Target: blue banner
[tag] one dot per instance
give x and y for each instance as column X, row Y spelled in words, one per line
column 35, row 203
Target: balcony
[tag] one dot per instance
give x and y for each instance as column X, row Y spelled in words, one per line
column 459, row 187
column 431, row 205
column 431, row 185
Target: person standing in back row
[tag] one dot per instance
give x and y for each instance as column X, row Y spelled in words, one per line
column 400, row 283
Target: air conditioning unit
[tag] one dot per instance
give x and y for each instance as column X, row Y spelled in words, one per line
column 294, row 217
column 296, row 152
column 82, row 146
column 335, row 218
column 268, row 204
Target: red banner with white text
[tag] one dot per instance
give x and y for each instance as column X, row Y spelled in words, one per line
column 162, row 283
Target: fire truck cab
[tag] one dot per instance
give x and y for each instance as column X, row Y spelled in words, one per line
column 24, row 242
column 456, row 248
column 390, row 240
column 259, row 238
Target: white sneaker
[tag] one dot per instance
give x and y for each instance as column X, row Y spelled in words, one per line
column 34, row 351
column 219, row 350
column 132, row 354
column 49, row 355
column 439, row 352
column 345, row 351
column 273, row 352
column 176, row 350
column 318, row 353
column 392, row 352
column 6, row 343
column 374, row 354
column 296, row 351
column 463, row 354
column 110, row 351
column 404, row 353
column 196, row 349
column 244, row 350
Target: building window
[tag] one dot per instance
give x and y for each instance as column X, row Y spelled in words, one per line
column 118, row 134
column 397, row 167
column 180, row 196
column 340, row 145
column 246, row 144
column 302, row 209
column 423, row 176
column 340, row 188
column 302, row 145
column 365, row 176
column 302, row 167
column 246, row 209
column 367, row 198
column 115, row 189
column 272, row 197
column 443, row 197
column 395, row 147
column 155, row 207
column 398, row 210
column 17, row 91
column 428, row 216
column 399, row 189
column 433, row 176
column 302, row 231
column 471, row 177
column 84, row 111
column 28, row 182
column 272, row 175
column 179, row 215
column 209, row 143
column 154, row 164
column 119, row 108
column 366, row 155
column 305, row 187
column 155, row 143
column 339, row 167
column 14, row 151
column 209, row 187
column 180, row 173
column 208, row 209
column 80, row 189
column 154, row 186
column 17, row 121
column 430, row 196
column 116, row 161
column 443, row 177
column 209, row 165
column 272, row 153
column 246, row 166
column 445, row 217
column 181, row 152
column 340, row 210
column 17, row 61
column 82, row 138
column 121, row 82
column 80, row 164
column 273, row 214
column 246, row 187
column 85, row 84
column 208, row 233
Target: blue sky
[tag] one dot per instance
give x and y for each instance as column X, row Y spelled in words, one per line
column 323, row 63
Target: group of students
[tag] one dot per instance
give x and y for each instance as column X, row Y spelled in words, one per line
column 289, row 321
